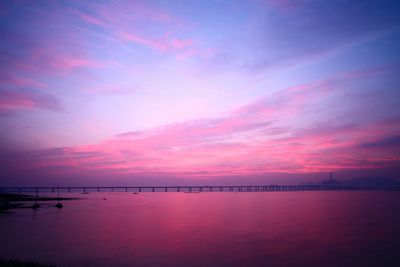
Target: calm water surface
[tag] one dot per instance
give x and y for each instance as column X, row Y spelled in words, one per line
column 209, row 229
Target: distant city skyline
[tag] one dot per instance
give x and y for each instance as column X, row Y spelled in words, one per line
column 141, row 92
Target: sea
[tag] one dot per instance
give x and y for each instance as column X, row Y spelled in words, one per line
column 318, row 228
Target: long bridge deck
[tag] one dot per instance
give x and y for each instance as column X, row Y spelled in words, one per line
column 180, row 188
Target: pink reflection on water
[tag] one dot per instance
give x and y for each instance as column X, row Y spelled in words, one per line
column 210, row 229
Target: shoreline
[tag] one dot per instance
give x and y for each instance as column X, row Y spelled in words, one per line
column 10, row 201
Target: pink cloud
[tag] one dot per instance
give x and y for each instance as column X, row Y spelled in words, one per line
column 6, row 79
column 128, row 21
column 57, row 48
column 69, row 63
column 156, row 44
column 124, row 13
column 91, row 19
column 180, row 44
column 110, row 89
column 12, row 101
column 268, row 135
column 40, row 64
column 39, row 59
column 158, row 154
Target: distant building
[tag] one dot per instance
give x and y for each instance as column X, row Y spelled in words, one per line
column 331, row 180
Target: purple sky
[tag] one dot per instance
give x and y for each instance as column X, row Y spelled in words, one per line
column 138, row 92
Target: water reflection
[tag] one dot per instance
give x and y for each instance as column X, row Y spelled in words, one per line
column 209, row 229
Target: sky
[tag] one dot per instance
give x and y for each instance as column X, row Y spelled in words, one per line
column 178, row 92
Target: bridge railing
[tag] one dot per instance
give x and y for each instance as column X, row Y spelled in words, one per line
column 179, row 188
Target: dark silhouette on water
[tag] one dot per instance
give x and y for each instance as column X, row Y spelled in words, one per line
column 36, row 205
column 58, row 205
column 10, row 201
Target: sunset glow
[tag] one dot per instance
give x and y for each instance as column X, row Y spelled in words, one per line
column 123, row 91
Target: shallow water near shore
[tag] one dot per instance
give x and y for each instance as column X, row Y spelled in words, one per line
column 340, row 228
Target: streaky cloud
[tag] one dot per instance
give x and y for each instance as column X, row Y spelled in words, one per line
column 11, row 101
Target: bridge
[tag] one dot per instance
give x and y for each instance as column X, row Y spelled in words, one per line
column 179, row 188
